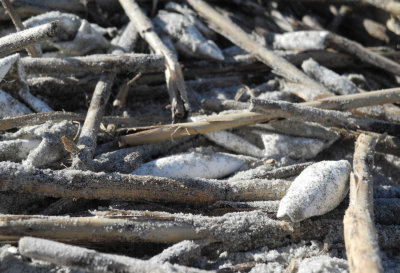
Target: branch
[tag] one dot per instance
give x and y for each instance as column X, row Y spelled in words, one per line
column 17, row 41
column 95, row 63
column 240, row 38
column 359, row 231
column 92, row 261
column 173, row 74
column 33, row 52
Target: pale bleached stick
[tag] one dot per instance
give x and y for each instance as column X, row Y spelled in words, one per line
column 235, row 34
column 359, row 230
column 18, row 25
column 95, row 63
column 173, row 74
column 92, row 261
column 17, row 41
column 236, row 231
column 115, row 186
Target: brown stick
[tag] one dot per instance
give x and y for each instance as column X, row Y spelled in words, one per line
column 173, row 73
column 236, row 231
column 237, row 36
column 19, row 26
column 359, row 230
column 115, row 186
column 17, row 41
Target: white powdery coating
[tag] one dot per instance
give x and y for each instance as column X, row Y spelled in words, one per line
column 330, row 79
column 300, row 40
column 322, row 264
column 10, row 107
column 16, row 150
column 234, row 143
column 193, row 165
column 317, row 190
column 277, row 145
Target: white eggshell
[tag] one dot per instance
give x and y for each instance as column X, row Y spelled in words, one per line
column 318, row 189
column 191, row 165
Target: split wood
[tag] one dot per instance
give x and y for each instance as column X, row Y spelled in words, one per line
column 236, row 35
column 32, row 51
column 92, row 261
column 19, row 40
column 359, row 230
column 173, row 73
column 227, row 121
column 95, row 63
column 236, row 231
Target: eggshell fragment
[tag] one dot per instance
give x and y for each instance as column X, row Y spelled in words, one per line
column 192, row 165
column 318, row 189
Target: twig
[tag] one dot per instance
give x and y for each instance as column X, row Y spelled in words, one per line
column 17, row 41
column 390, row 6
column 95, row 63
column 234, row 33
column 116, row 186
column 359, row 231
column 92, row 261
column 18, row 25
column 88, row 137
column 173, row 74
column 237, row 231
column 327, row 117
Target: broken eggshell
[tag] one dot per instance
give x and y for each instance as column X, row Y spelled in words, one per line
column 194, row 165
column 317, row 190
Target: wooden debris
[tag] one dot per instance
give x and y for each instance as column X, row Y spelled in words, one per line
column 90, row 260
column 173, row 74
column 359, row 231
column 17, row 41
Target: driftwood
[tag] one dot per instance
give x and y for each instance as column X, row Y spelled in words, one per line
column 17, row 41
column 90, row 260
column 239, row 231
column 173, row 74
column 33, row 52
column 359, row 230
column 234, row 33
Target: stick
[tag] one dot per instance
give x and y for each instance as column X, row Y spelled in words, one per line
column 359, row 231
column 236, row 231
column 88, row 137
column 95, row 63
column 92, row 261
column 236, row 35
column 116, row 186
column 326, row 117
column 17, row 41
column 173, row 74
column 32, row 51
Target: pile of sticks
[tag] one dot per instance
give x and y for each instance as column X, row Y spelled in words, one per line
column 142, row 136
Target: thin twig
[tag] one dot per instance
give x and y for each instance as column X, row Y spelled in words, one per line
column 18, row 25
column 173, row 74
column 359, row 231
column 17, row 41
